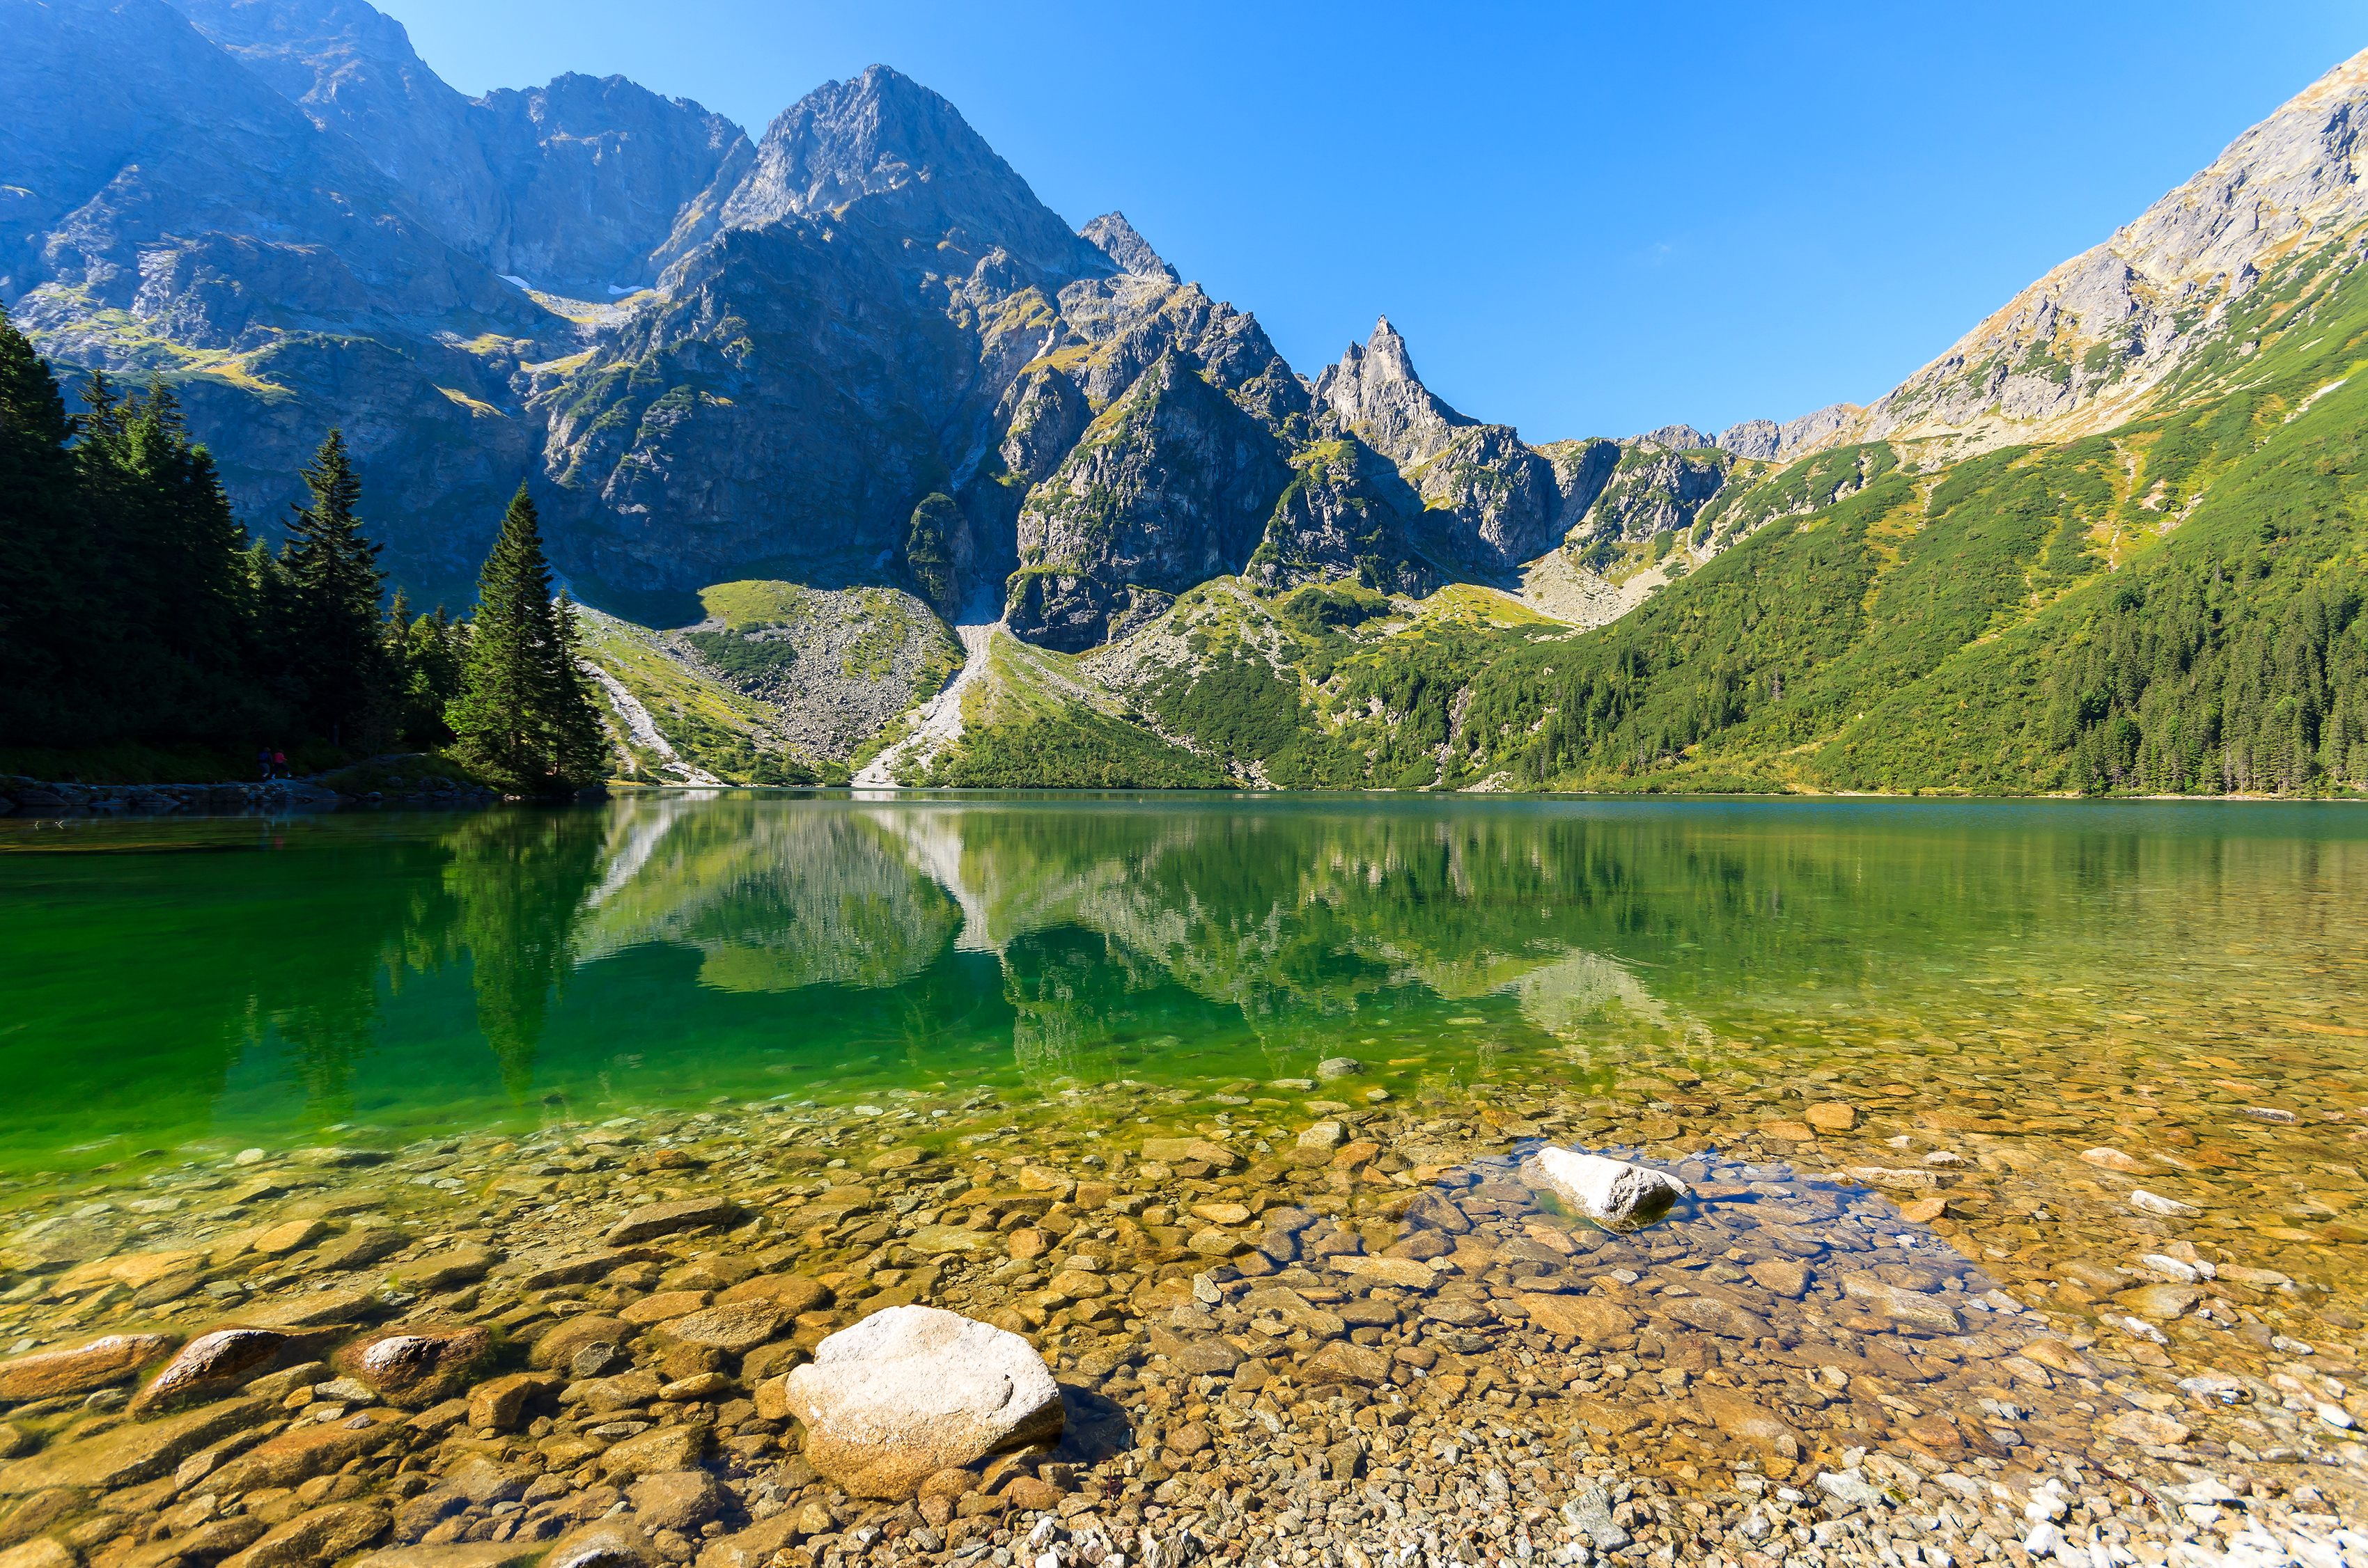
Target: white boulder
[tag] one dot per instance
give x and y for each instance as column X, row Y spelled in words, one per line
column 1614, row 1193
column 912, row 1390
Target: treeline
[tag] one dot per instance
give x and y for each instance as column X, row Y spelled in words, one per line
column 136, row 607
column 2217, row 678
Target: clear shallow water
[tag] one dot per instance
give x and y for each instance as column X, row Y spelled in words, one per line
column 169, row 984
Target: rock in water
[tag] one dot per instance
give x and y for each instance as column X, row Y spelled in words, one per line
column 95, row 1365
column 1614, row 1193
column 912, row 1390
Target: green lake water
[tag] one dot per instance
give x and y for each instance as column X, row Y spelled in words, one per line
column 170, row 986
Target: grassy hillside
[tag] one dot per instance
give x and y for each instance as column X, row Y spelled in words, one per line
column 2172, row 606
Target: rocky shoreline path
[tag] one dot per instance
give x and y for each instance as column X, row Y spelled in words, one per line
column 1137, row 1327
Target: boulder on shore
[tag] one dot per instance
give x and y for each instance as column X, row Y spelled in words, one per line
column 912, row 1390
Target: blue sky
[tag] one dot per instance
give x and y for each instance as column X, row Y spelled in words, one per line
column 1587, row 220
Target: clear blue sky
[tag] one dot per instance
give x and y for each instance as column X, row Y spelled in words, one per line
column 1587, row 220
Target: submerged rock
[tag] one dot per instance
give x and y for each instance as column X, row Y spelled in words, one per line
column 95, row 1365
column 1614, row 1193
column 916, row 1390
column 418, row 1367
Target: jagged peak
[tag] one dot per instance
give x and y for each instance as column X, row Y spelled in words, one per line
column 907, row 153
column 1116, row 238
column 1676, row 437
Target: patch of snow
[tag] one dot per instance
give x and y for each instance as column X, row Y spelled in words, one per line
column 514, row 277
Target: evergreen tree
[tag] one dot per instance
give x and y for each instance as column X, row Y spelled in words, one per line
column 330, row 637
column 38, row 587
column 525, row 716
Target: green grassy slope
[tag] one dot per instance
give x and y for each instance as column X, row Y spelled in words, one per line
column 2171, row 606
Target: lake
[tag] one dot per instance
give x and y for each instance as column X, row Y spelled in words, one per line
column 2024, row 1138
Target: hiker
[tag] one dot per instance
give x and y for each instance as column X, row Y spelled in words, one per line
column 279, row 765
column 263, row 762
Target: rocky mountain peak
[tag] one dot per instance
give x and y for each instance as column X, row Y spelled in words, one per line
column 1116, row 238
column 911, row 161
column 1676, row 437
column 1374, row 385
column 2086, row 345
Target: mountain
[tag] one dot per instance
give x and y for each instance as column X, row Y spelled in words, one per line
column 793, row 408
column 2115, row 541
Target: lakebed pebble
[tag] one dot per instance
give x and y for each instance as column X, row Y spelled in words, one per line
column 1280, row 1335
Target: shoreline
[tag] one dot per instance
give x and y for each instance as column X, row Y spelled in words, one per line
column 1308, row 1324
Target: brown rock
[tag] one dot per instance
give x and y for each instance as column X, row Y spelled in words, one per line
column 676, row 1500
column 734, row 1329
column 358, row 1248
column 485, row 1481
column 293, row 1236
column 1028, row 1495
column 951, row 1481
column 210, row 1542
column 220, row 1361
column 2146, row 1426
column 1924, row 1210
column 558, row 1346
column 604, row 1544
column 700, row 1385
column 1588, row 1319
column 417, row 1367
column 473, row 1554
column 299, row 1455
column 626, row 1390
column 322, row 1536
column 1779, row 1276
column 497, row 1402
column 442, row 1270
column 669, row 1448
column 2057, row 1353
column 39, row 1552
column 664, row 1219
column 2162, row 1302
column 128, row 1455
column 1349, row 1156
column 1787, row 1132
column 92, row 1364
column 794, row 1293
column 1187, row 1151
column 898, row 1159
column 315, row 1308
column 663, row 1305
column 755, row 1547
column 1913, row 1308
column 1712, row 1316
column 1341, row 1362
column 1193, row 1355
column 1833, row 1116
column 1746, row 1421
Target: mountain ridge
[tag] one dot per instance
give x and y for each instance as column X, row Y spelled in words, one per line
column 858, row 356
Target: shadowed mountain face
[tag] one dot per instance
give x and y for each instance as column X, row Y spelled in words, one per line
column 714, row 359
column 860, row 351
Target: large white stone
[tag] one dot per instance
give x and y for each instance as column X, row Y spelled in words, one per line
column 1614, row 1193
column 912, row 1390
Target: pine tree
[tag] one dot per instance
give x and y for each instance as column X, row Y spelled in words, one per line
column 525, row 716
column 331, row 636
column 38, row 587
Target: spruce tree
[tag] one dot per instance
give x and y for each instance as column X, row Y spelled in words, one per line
column 38, row 585
column 331, row 636
column 525, row 716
